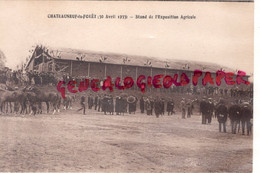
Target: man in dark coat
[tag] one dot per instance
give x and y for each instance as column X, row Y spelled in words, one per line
column 148, row 106
column 221, row 113
column 132, row 106
column 246, row 115
column 111, row 105
column 204, row 110
column 118, row 106
column 124, row 105
column 170, row 106
column 142, row 104
column 211, row 108
column 105, row 104
column 90, row 102
column 152, row 105
column 96, row 102
column 189, row 107
column 234, row 116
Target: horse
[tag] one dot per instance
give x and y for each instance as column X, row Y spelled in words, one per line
column 35, row 105
column 39, row 96
column 7, row 97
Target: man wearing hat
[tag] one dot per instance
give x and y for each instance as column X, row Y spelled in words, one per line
column 234, row 112
column 118, row 105
column 204, row 109
column 170, row 106
column 211, row 109
column 157, row 107
column 148, row 107
column 111, row 104
column 105, row 104
column 188, row 108
column 246, row 115
column 222, row 113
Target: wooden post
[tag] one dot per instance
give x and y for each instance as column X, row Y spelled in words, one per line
column 70, row 68
column 151, row 76
column 121, row 76
column 191, row 75
column 136, row 69
column 88, row 69
column 105, row 70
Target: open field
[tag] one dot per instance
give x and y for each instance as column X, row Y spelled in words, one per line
column 70, row 141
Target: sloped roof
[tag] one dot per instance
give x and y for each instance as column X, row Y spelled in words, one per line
column 114, row 58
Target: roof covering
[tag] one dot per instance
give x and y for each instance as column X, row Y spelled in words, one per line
column 114, row 58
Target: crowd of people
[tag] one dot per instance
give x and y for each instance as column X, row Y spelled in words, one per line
column 238, row 111
column 231, row 91
column 121, row 104
column 20, row 78
column 107, row 104
column 127, row 104
column 208, row 108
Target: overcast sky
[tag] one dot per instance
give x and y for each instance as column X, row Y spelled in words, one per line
column 221, row 33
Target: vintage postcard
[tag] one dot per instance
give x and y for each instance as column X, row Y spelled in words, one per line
column 126, row 86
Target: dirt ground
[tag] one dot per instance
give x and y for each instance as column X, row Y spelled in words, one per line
column 69, row 141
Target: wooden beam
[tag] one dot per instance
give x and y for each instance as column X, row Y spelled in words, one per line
column 136, row 71
column 105, row 70
column 151, row 76
column 88, row 69
column 191, row 76
column 71, row 68
column 121, row 76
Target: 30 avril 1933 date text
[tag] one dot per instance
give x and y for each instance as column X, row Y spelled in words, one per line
column 123, row 16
